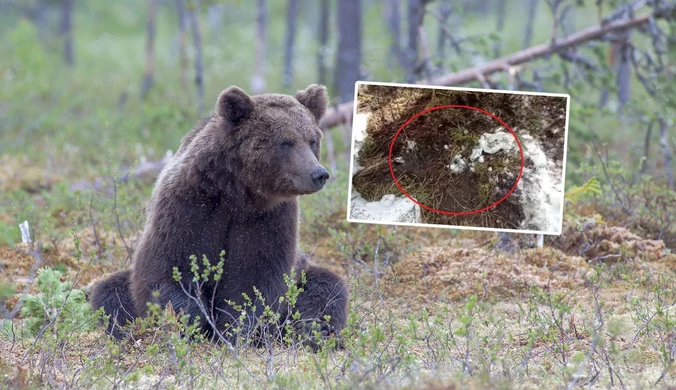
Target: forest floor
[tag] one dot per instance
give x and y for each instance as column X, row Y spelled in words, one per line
column 430, row 308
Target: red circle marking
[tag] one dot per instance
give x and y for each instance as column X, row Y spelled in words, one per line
column 389, row 161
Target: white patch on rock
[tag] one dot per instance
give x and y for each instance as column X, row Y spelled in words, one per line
column 359, row 133
column 476, row 154
column 458, row 164
column 541, row 189
column 389, row 208
column 498, row 141
column 410, row 145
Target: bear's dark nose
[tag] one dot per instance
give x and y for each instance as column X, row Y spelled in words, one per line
column 319, row 177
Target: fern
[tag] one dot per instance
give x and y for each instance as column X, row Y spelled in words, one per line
column 575, row 194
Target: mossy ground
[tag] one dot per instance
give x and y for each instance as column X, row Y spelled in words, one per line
column 441, row 135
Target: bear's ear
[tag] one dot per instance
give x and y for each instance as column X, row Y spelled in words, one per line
column 234, row 105
column 315, row 98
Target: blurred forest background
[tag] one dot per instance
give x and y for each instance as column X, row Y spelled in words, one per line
column 94, row 97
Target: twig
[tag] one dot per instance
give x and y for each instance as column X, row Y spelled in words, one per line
column 667, row 150
column 610, row 181
column 646, row 147
column 117, row 219
column 91, row 220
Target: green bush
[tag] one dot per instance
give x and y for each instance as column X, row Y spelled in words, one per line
column 58, row 304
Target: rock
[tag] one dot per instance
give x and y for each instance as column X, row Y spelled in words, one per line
column 498, row 141
column 458, row 164
column 389, row 208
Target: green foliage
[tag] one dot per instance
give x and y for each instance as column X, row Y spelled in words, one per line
column 590, row 188
column 57, row 304
column 30, row 62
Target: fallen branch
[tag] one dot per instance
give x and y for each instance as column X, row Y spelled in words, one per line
column 336, row 116
column 145, row 170
column 343, row 112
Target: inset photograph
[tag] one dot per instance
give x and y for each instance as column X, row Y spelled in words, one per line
column 458, row 158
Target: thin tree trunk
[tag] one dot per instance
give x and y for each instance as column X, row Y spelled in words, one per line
column 67, row 31
column 445, row 10
column 349, row 47
column 416, row 13
column 532, row 11
column 258, row 80
column 664, row 141
column 193, row 11
column 425, row 53
column 38, row 13
column 183, row 57
column 291, row 16
column 323, row 39
column 623, row 70
column 393, row 18
column 412, row 48
column 149, row 76
column 499, row 26
column 645, row 163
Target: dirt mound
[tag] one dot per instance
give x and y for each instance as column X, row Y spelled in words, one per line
column 456, row 273
column 20, row 174
column 597, row 241
column 15, row 264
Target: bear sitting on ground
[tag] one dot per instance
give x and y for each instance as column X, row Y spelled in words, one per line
column 233, row 186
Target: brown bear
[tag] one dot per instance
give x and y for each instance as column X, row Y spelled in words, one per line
column 233, row 186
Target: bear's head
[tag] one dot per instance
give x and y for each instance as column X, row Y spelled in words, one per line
column 276, row 140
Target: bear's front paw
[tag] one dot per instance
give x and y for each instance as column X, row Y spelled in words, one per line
column 315, row 333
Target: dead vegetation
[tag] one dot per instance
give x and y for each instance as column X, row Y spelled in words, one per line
column 448, row 272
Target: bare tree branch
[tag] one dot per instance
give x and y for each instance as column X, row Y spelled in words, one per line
column 336, row 116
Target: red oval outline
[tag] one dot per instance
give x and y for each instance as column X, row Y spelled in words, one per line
column 389, row 160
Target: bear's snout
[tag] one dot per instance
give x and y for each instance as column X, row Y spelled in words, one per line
column 319, row 177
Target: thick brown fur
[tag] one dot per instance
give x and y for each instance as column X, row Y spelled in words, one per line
column 232, row 186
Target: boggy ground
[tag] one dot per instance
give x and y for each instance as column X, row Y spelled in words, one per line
column 432, row 156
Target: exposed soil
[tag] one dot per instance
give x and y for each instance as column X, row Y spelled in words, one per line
column 434, row 157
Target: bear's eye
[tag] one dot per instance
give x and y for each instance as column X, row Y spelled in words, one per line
column 287, row 144
column 313, row 143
